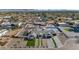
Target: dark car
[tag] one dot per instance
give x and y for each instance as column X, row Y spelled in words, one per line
column 39, row 36
column 31, row 36
column 48, row 36
column 54, row 34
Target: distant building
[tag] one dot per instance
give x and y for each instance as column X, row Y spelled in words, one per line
column 62, row 24
column 1, row 19
column 50, row 22
column 20, row 24
column 7, row 25
column 3, row 32
column 68, row 18
column 39, row 21
column 31, row 26
column 7, row 18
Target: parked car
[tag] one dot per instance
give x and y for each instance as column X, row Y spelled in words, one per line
column 48, row 36
column 31, row 36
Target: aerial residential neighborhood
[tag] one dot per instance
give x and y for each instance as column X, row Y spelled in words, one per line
column 35, row 29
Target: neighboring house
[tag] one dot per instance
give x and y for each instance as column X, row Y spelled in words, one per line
column 20, row 24
column 7, row 18
column 63, row 24
column 7, row 25
column 3, row 32
column 40, row 23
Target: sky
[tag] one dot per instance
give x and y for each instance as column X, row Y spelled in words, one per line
column 40, row 4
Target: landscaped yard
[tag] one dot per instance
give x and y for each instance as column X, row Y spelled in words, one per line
column 36, row 43
column 66, row 30
column 31, row 43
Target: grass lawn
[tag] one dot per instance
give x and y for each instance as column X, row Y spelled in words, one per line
column 38, row 42
column 25, row 41
column 31, row 43
column 41, row 42
column 66, row 30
